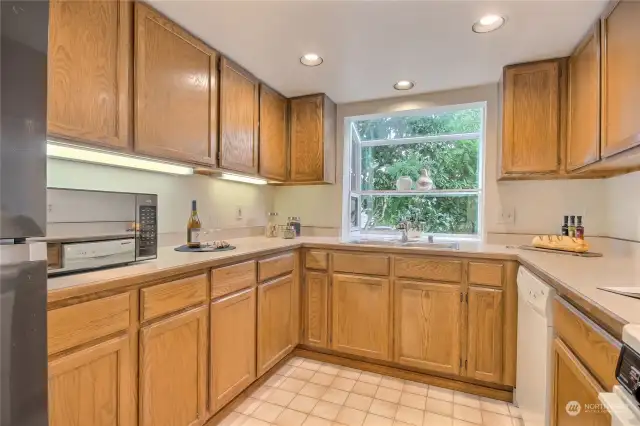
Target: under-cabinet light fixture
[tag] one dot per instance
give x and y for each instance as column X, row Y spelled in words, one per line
column 67, row 152
column 245, row 179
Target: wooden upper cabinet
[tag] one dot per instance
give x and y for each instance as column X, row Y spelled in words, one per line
column 89, row 72
column 273, row 134
column 427, row 325
column 573, row 382
column 275, row 315
column 316, row 309
column 93, row 386
column 173, row 370
column 175, row 91
column 485, row 334
column 239, row 109
column 531, row 139
column 621, row 86
column 312, row 139
column 361, row 315
column 233, row 346
column 583, row 137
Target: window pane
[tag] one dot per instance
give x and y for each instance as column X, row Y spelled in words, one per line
column 450, row 164
column 461, row 121
column 442, row 215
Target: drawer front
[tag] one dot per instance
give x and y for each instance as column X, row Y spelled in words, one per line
column 591, row 344
column 275, row 266
column 53, row 256
column 370, row 264
column 428, row 269
column 169, row 297
column 486, row 273
column 316, row 260
column 77, row 324
column 233, row 278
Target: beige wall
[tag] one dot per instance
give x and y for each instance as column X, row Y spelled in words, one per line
column 539, row 205
column 623, row 206
column 217, row 199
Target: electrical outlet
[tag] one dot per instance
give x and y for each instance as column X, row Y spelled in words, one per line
column 507, row 216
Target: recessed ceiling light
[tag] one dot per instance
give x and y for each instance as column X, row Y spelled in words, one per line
column 311, row 59
column 404, row 85
column 488, row 23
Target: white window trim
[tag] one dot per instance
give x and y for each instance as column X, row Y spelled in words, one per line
column 349, row 127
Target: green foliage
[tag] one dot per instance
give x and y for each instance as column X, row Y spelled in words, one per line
column 451, row 165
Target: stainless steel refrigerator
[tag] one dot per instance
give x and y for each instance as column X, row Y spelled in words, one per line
column 23, row 265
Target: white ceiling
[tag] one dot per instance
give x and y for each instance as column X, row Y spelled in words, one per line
column 368, row 45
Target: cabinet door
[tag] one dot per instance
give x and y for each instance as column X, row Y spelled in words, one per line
column 361, row 308
column 176, row 91
column 485, row 324
column 274, row 322
column 239, row 108
column 89, row 67
column 573, row 389
column 583, row 139
column 273, row 134
column 621, row 87
column 173, row 370
column 427, row 325
column 92, row 386
column 233, row 346
column 531, row 115
column 307, row 139
column 316, row 309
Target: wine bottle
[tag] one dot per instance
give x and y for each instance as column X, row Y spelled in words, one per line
column 193, row 227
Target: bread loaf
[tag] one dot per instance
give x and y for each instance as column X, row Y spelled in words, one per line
column 559, row 242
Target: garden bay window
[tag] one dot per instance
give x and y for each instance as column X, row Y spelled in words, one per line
column 418, row 166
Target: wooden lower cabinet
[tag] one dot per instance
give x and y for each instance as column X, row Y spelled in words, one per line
column 361, row 315
column 92, row 386
column 173, row 370
column 572, row 382
column 275, row 315
column 427, row 325
column 485, row 334
column 316, row 309
column 233, row 346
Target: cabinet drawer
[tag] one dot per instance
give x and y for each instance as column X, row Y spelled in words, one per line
column 275, row 266
column 371, row 264
column 592, row 345
column 428, row 269
column 316, row 260
column 232, row 278
column 485, row 273
column 77, row 324
column 169, row 297
column 53, row 256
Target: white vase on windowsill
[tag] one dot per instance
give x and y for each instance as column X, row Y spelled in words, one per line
column 424, row 182
column 404, row 183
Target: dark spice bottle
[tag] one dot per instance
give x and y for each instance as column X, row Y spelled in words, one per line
column 580, row 229
column 565, row 226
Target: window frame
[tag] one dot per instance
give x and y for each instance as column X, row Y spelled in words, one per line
column 349, row 194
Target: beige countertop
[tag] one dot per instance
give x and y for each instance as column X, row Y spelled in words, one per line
column 576, row 278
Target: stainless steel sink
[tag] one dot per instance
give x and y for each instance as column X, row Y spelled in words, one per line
column 413, row 244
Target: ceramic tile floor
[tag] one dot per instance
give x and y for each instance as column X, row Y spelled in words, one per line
column 311, row 393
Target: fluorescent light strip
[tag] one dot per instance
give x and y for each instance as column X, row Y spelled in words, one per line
column 245, row 179
column 100, row 157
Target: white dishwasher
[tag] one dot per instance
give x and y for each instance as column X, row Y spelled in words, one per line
column 535, row 337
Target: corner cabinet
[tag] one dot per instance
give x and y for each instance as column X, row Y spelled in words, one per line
column 583, row 131
column 485, row 334
column 274, row 135
column 176, row 94
column 173, row 370
column 89, row 72
column 275, row 318
column 621, row 87
column 531, row 137
column 239, row 109
column 312, row 155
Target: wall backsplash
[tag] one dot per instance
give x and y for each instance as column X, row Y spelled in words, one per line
column 623, row 206
column 218, row 200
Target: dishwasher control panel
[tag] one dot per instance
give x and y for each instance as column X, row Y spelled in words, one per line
column 628, row 371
